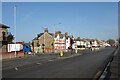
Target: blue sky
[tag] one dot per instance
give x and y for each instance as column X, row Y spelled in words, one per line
column 97, row 20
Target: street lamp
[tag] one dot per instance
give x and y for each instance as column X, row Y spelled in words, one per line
column 54, row 34
column 15, row 26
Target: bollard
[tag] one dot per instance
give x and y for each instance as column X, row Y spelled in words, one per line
column 92, row 49
column 61, row 54
column 55, row 52
column 76, row 51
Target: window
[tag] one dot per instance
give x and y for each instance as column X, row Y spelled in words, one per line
column 3, row 34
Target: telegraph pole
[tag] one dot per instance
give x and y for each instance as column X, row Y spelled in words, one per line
column 54, row 35
column 44, row 39
column 54, row 39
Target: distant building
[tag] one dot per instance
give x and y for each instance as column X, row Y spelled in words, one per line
column 94, row 43
column 80, row 43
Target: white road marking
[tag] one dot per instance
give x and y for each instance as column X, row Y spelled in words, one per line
column 50, row 60
column 16, row 68
column 38, row 63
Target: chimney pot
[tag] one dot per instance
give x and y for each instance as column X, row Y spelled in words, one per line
column 46, row 30
column 66, row 34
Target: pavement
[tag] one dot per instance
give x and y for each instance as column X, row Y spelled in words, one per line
column 112, row 69
column 85, row 64
column 115, row 66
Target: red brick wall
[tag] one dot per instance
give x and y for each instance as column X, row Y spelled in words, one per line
column 8, row 55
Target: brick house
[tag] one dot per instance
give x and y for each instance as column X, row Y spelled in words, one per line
column 44, row 42
column 3, row 38
column 4, row 44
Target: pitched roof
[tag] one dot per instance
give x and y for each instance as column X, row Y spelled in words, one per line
column 52, row 34
column 3, row 26
column 39, row 35
column 61, row 35
column 36, row 38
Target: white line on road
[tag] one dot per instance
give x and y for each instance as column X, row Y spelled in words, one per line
column 50, row 60
column 16, row 68
column 38, row 63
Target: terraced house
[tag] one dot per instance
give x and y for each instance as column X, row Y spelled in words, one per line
column 44, row 42
column 50, row 42
column 60, row 41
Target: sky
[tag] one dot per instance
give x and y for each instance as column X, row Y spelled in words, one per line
column 93, row 20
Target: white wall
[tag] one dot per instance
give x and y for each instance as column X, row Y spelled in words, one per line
column 57, row 40
column 67, row 43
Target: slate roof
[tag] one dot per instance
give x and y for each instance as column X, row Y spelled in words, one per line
column 36, row 38
column 39, row 35
column 61, row 35
column 52, row 34
column 3, row 26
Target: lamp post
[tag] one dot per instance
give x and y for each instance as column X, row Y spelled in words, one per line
column 44, row 40
column 15, row 26
column 54, row 34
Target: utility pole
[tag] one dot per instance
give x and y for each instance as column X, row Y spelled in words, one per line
column 54, row 38
column 44, row 39
column 15, row 26
column 54, row 35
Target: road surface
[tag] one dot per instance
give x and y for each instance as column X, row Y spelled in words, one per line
column 82, row 66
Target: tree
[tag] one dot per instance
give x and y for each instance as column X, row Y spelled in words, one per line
column 111, row 41
column 10, row 38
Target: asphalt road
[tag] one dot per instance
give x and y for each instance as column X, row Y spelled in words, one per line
column 83, row 66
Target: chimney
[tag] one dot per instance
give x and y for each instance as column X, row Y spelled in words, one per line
column 58, row 32
column 71, row 36
column 46, row 30
column 78, row 38
column 66, row 34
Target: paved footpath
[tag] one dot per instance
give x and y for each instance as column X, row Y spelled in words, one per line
column 115, row 67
